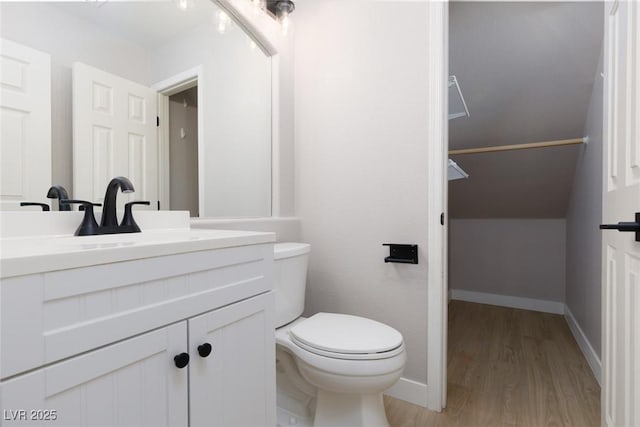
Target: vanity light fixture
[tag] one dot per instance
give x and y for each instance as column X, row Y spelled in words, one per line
column 282, row 9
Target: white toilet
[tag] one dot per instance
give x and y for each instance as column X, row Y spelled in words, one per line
column 331, row 368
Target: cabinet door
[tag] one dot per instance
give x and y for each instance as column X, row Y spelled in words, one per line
column 131, row 383
column 234, row 386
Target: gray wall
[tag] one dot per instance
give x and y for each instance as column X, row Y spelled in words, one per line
column 514, row 257
column 584, row 239
column 360, row 158
column 183, row 151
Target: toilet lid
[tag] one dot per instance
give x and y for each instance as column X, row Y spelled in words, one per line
column 345, row 334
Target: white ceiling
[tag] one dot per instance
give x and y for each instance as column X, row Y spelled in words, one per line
column 526, row 70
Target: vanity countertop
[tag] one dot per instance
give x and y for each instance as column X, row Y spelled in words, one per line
column 21, row 255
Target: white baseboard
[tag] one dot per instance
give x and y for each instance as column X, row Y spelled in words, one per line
column 592, row 358
column 409, row 391
column 508, row 301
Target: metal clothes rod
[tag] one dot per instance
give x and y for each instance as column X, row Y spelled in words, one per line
column 513, row 147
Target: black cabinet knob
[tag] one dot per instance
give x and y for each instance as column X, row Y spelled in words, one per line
column 204, row 350
column 181, row 360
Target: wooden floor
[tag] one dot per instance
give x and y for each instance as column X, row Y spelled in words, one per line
column 509, row 367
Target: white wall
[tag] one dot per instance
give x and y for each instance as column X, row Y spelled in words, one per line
column 236, row 105
column 584, row 239
column 67, row 39
column 512, row 257
column 361, row 161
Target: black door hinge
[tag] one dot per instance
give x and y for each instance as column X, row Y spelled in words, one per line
column 442, row 218
column 157, row 121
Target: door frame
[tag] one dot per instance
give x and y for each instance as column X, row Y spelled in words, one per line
column 175, row 84
column 437, row 194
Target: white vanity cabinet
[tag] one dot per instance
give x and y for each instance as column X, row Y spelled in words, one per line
column 95, row 346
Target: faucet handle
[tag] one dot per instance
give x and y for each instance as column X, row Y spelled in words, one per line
column 44, row 206
column 89, row 226
column 128, row 224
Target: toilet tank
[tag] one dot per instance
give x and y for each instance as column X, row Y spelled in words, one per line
column 290, row 278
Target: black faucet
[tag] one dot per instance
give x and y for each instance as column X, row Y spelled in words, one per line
column 60, row 193
column 109, row 221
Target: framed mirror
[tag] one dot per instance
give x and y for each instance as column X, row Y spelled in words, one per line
column 173, row 95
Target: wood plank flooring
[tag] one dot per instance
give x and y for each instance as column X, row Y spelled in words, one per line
column 509, row 367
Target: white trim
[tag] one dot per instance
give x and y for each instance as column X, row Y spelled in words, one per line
column 409, row 391
column 436, row 192
column 275, row 135
column 165, row 88
column 587, row 350
column 544, row 306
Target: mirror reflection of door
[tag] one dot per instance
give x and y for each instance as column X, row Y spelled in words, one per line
column 114, row 134
column 183, row 151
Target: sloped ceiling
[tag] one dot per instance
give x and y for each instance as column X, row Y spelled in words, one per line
column 526, row 70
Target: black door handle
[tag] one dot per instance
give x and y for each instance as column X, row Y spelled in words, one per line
column 633, row 227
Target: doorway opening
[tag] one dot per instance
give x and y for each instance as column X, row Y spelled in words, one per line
column 183, row 151
column 522, row 225
column 180, row 160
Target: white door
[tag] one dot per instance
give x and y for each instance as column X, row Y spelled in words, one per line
column 25, row 108
column 621, row 250
column 132, row 383
column 114, row 134
column 234, row 385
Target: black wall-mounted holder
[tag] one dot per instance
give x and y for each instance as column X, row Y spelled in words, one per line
column 402, row 253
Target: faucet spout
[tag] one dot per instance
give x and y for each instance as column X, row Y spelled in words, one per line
column 60, row 193
column 109, row 218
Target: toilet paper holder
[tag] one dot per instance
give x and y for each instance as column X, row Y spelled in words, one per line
column 402, row 253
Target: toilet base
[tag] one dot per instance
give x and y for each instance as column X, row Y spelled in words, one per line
column 349, row 410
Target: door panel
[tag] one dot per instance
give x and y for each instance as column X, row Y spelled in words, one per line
column 132, row 383
column 25, row 120
column 621, row 253
column 114, row 134
column 234, row 386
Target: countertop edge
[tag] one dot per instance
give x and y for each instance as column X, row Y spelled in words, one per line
column 14, row 267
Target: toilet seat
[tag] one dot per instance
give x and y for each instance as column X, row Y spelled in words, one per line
column 343, row 336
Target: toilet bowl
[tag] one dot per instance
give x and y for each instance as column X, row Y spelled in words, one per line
column 343, row 363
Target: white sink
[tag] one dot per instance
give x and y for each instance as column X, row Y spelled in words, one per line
column 48, row 252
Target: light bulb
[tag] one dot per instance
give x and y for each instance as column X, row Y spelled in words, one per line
column 184, row 4
column 258, row 6
column 223, row 21
column 284, row 22
column 283, row 9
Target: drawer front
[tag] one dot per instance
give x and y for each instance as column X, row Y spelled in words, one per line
column 50, row 316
